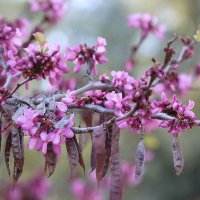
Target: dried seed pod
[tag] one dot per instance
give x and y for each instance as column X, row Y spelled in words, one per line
column 18, row 152
column 73, row 156
column 80, row 155
column 99, row 149
column 139, row 160
column 107, row 149
column 93, row 157
column 18, row 168
column 16, row 143
column 50, row 160
column 116, row 172
column 177, row 155
column 7, row 151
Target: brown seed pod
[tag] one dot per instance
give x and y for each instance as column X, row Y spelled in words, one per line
column 139, row 160
column 177, row 155
column 98, row 143
column 7, row 151
column 50, row 160
column 116, row 171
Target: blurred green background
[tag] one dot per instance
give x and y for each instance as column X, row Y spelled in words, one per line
column 83, row 22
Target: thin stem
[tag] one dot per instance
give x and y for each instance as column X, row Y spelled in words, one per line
column 88, row 87
column 129, row 114
column 94, row 108
column 18, row 86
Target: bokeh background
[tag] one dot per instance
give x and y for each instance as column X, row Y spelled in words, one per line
column 83, row 22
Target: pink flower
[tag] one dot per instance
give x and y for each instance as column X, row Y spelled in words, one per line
column 28, row 120
column 121, row 79
column 184, row 118
column 69, row 98
column 42, row 63
column 130, row 64
column 66, row 131
column 113, row 100
column 45, row 138
column 54, row 10
column 181, row 83
column 146, row 23
column 82, row 54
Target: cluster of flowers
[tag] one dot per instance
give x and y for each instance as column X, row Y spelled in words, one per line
column 41, row 130
column 80, row 190
column 82, row 54
column 35, row 188
column 147, row 24
column 184, row 118
column 53, row 10
column 11, row 35
column 180, row 83
column 41, row 62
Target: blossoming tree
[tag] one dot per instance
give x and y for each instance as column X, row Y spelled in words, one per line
column 50, row 120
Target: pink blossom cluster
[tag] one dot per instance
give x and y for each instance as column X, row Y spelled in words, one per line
column 179, row 83
column 140, row 119
column 95, row 96
column 41, row 131
column 188, row 48
column 69, row 98
column 81, row 191
column 184, row 118
column 121, row 79
column 111, row 100
column 35, row 188
column 134, row 90
column 147, row 24
column 82, row 54
column 42, row 63
column 8, row 33
column 11, row 39
column 53, row 10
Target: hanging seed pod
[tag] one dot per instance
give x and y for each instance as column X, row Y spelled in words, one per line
column 177, row 155
column 18, row 152
column 139, row 160
column 80, row 153
column 7, row 151
column 116, row 171
column 73, row 157
column 16, row 143
column 99, row 149
column 107, row 149
column 50, row 160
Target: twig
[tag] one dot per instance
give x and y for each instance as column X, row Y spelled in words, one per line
column 18, row 86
